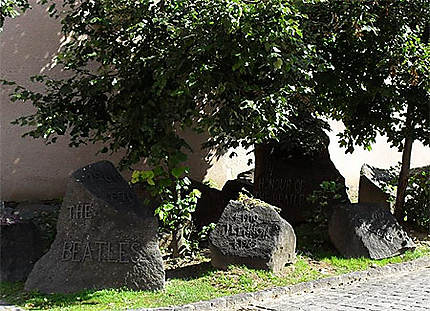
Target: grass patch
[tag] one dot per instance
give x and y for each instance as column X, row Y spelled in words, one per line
column 197, row 280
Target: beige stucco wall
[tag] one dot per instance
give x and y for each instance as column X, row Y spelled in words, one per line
column 381, row 155
column 31, row 170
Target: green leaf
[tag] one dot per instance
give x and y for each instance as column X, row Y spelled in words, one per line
column 178, row 171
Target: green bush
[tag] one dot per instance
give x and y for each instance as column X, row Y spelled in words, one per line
column 417, row 203
column 330, row 192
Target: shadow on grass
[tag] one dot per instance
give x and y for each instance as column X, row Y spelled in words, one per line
column 190, row 272
column 15, row 294
column 314, row 242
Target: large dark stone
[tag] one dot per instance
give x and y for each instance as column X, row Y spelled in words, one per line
column 19, row 248
column 209, row 206
column 365, row 230
column 213, row 201
column 286, row 176
column 233, row 187
column 373, row 184
column 44, row 217
column 105, row 238
column 252, row 233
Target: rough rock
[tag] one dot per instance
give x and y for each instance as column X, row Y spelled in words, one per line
column 19, row 248
column 105, row 238
column 372, row 185
column 367, row 230
column 252, row 233
column 213, row 201
column 209, row 206
column 373, row 181
column 44, row 217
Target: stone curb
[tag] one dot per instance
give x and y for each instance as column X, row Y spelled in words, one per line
column 247, row 299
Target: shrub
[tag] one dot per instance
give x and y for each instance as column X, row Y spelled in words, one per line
column 417, row 204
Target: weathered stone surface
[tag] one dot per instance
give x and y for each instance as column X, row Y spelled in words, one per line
column 105, row 238
column 285, row 176
column 213, row 201
column 366, row 230
column 372, row 185
column 44, row 217
column 19, row 248
column 210, row 205
column 252, row 233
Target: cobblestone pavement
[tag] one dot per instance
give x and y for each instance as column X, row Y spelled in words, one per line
column 404, row 291
column 4, row 306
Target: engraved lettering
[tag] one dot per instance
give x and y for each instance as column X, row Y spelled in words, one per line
column 122, row 259
column 81, row 211
column 87, row 252
column 100, row 250
column 67, row 251
column 75, row 250
column 110, row 253
column 135, row 249
column 87, row 210
column 78, row 211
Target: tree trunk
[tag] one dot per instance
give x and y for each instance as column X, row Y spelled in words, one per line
column 399, row 210
column 402, row 184
column 179, row 245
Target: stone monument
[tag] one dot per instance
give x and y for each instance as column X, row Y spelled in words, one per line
column 105, row 238
column 252, row 233
column 367, row 230
column 286, row 174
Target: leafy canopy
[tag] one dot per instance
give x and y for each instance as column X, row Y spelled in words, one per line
column 246, row 72
column 379, row 81
column 139, row 71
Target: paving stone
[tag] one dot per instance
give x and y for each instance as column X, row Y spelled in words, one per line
column 402, row 291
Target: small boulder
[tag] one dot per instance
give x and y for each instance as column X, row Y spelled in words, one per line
column 44, row 217
column 252, row 233
column 19, row 248
column 366, row 230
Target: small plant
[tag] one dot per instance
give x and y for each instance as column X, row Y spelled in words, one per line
column 329, row 192
column 177, row 201
column 205, row 232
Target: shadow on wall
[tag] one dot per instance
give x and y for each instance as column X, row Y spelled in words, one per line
column 29, row 169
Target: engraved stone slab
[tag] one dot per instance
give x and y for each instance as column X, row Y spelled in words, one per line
column 105, row 238
column 286, row 177
column 367, row 230
column 252, row 234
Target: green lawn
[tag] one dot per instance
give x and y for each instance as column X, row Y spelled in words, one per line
column 200, row 282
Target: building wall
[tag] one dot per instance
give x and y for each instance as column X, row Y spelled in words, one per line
column 31, row 170
column 381, row 156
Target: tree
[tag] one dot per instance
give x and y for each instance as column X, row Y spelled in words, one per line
column 380, row 76
column 242, row 71
column 141, row 70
